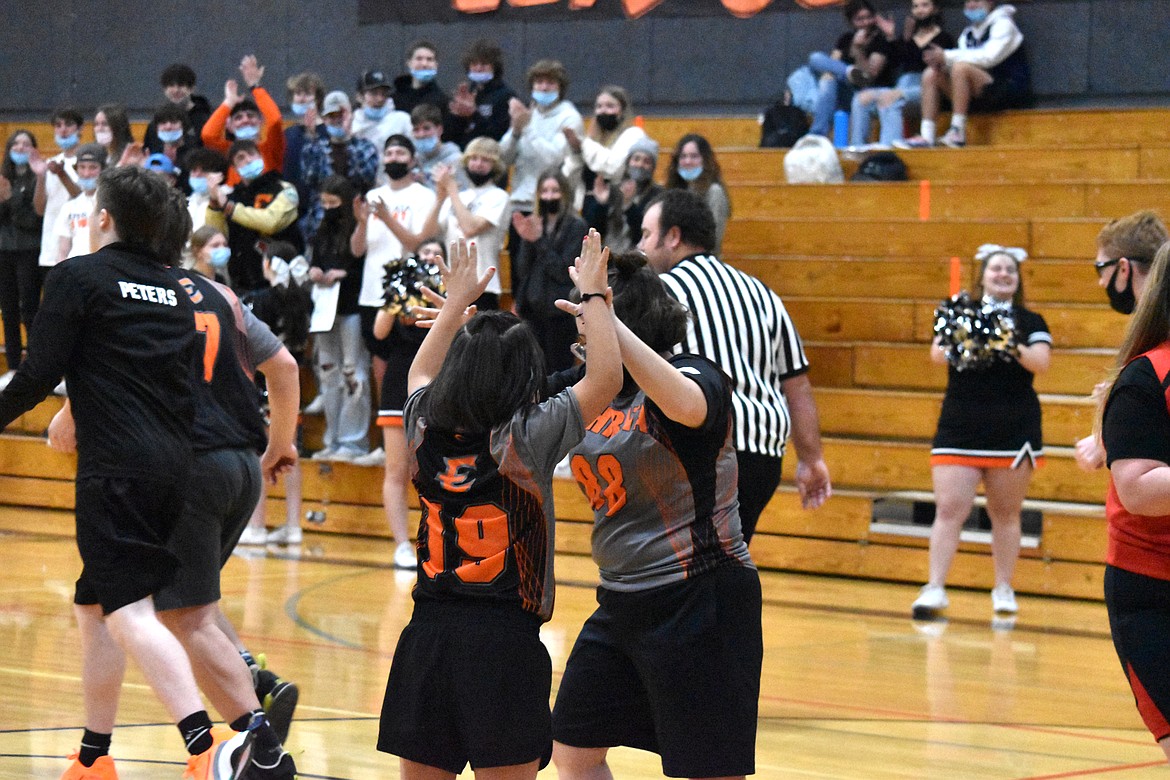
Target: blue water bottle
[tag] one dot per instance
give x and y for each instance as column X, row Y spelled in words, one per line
column 840, row 128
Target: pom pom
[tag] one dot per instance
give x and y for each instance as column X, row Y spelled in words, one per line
column 975, row 334
column 404, row 279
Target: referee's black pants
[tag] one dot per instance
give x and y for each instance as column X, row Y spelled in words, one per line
column 759, row 476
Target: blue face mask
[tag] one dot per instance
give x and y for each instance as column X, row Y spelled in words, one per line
column 169, row 136
column 299, row 109
column 247, row 133
column 424, row 75
column 975, row 15
column 251, row 170
column 335, row 132
column 20, row 158
column 219, row 256
column 198, row 184
column 67, row 141
column 425, row 145
column 88, row 184
column 480, row 78
column 690, row 174
column 374, row 114
column 545, row 98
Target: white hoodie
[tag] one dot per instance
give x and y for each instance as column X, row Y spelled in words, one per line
column 1003, row 41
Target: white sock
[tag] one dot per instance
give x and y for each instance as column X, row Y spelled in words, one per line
column 929, row 130
column 959, row 123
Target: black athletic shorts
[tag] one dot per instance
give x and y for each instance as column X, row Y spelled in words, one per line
column 1000, row 95
column 469, row 683
column 674, row 670
column 399, row 355
column 225, row 486
column 377, row 347
column 1139, row 619
column 123, row 524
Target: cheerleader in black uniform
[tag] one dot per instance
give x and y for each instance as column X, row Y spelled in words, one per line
column 989, row 431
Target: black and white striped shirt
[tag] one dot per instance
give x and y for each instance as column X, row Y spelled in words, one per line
column 741, row 325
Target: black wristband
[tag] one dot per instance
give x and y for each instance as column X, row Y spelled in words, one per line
column 586, row 296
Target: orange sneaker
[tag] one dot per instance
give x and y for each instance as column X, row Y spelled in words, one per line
column 102, row 769
column 228, row 750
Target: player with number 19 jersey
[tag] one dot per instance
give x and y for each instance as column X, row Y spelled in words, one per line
column 486, row 532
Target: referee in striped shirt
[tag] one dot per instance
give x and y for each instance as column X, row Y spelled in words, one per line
column 742, row 326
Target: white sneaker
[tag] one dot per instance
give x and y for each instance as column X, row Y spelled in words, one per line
column 404, row 557
column 286, row 534
column 372, row 458
column 346, row 456
column 253, row 536
column 954, row 138
column 5, row 378
column 931, row 600
column 325, row 454
column 1003, row 599
column 316, row 406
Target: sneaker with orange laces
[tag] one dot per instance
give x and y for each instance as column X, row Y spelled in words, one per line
column 229, row 750
column 102, row 769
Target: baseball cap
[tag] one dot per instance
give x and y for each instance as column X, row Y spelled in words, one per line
column 161, row 163
column 91, row 153
column 335, row 101
column 371, row 79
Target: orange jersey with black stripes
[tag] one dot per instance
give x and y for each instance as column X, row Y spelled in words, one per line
column 487, row 526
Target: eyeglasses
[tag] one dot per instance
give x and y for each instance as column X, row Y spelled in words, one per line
column 1101, row 265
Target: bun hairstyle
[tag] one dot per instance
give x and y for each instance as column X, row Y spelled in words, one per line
column 640, row 300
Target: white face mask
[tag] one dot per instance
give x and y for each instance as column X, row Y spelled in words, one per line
column 103, row 137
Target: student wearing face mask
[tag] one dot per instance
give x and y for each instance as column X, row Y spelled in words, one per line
column 615, row 210
column 20, row 243
column 693, row 167
column 1125, row 251
column 536, row 141
column 418, row 85
column 431, row 150
column 306, row 94
column 988, row 71
column 550, row 240
column 206, row 168
column 379, row 118
column 178, row 84
column 111, row 129
column 602, row 153
column 262, row 207
column 251, row 115
column 341, row 154
column 478, row 213
column 72, row 226
column 479, row 106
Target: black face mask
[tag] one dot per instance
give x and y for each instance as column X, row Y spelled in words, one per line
column 1121, row 301
column 608, row 122
column 397, row 170
column 934, row 20
column 479, row 179
column 331, row 215
column 549, row 207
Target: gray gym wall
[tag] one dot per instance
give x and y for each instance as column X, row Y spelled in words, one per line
column 85, row 52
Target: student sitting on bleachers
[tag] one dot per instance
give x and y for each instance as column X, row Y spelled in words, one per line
column 923, row 28
column 988, row 72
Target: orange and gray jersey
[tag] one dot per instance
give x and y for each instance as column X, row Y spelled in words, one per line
column 663, row 495
column 487, row 527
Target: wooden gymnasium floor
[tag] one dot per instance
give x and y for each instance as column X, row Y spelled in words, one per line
column 852, row 688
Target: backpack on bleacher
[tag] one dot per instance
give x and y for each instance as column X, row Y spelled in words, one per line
column 782, row 126
column 881, row 166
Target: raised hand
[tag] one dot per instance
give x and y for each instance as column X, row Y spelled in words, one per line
column 37, row 163
column 231, row 92
column 520, row 114
column 572, row 138
column 251, row 70
column 461, row 277
column 462, row 101
column 528, row 228
column 361, row 210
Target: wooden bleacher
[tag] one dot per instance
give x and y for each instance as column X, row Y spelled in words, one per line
column 861, row 270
